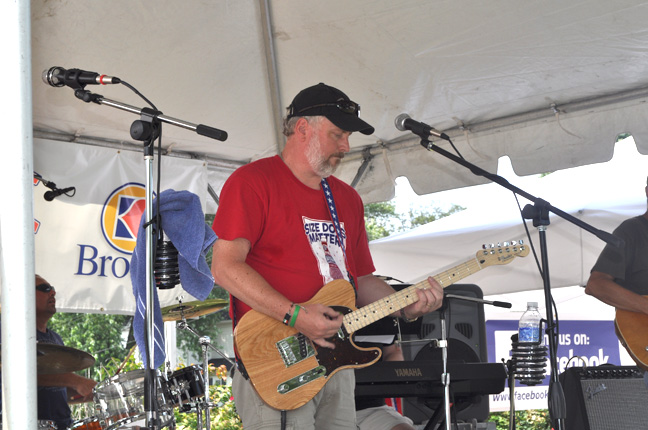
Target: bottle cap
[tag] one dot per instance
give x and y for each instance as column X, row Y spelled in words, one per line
column 532, row 304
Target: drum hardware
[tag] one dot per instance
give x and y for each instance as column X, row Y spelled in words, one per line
column 91, row 423
column 119, row 400
column 205, row 343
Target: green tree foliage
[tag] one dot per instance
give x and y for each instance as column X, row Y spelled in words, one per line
column 418, row 217
column 381, row 219
column 534, row 419
column 103, row 336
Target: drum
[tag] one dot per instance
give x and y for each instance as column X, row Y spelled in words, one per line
column 86, row 424
column 119, row 400
column 185, row 385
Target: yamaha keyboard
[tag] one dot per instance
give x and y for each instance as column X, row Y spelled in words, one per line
column 423, row 379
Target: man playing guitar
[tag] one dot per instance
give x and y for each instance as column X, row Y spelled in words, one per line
column 280, row 243
column 620, row 279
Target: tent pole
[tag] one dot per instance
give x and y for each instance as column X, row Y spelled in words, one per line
column 19, row 399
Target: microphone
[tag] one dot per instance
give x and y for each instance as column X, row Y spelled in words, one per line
column 51, row 195
column 75, row 78
column 404, row 122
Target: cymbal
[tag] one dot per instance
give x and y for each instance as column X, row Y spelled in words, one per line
column 192, row 309
column 54, row 359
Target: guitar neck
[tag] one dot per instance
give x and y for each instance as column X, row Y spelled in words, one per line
column 379, row 309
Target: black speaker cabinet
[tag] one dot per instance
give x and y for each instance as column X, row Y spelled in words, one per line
column 464, row 322
column 466, row 332
column 605, row 398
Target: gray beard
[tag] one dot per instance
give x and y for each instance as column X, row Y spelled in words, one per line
column 319, row 164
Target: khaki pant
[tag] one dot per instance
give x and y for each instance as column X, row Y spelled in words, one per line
column 333, row 408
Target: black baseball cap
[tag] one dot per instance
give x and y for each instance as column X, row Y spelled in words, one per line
column 324, row 100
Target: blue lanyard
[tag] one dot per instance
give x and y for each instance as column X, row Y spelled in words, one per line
column 330, row 203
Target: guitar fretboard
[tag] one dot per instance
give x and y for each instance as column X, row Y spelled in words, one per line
column 371, row 313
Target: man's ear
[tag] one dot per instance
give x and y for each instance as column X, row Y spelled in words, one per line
column 302, row 128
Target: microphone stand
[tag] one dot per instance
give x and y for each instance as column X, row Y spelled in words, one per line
column 540, row 215
column 445, row 375
column 147, row 129
column 443, row 344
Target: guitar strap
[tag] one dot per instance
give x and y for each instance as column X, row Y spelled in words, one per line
column 330, row 203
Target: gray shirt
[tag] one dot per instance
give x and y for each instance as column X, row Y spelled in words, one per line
column 628, row 265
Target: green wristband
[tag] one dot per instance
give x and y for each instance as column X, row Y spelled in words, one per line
column 293, row 319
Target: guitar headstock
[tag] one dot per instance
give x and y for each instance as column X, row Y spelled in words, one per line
column 502, row 253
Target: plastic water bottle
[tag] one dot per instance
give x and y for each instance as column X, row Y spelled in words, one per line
column 529, row 328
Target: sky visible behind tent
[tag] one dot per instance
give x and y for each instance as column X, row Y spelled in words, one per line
column 406, row 199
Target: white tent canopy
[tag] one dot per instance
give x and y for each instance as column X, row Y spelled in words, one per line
column 548, row 83
column 601, row 195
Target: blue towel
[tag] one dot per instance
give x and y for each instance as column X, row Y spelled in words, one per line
column 184, row 224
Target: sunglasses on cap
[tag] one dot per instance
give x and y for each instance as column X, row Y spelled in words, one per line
column 346, row 106
column 45, row 288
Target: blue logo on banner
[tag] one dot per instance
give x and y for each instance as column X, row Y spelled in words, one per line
column 121, row 215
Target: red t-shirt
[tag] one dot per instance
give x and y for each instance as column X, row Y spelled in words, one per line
column 290, row 230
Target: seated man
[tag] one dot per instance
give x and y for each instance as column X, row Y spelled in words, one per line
column 53, row 389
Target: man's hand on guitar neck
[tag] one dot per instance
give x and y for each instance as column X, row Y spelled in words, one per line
column 430, row 299
column 318, row 322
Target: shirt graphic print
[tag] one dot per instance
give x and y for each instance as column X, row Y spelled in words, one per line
column 326, row 248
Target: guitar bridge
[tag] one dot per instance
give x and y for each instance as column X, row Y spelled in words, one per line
column 294, row 349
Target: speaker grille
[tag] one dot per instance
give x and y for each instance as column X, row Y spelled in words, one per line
column 606, row 398
column 616, row 404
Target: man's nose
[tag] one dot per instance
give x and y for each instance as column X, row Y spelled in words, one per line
column 345, row 146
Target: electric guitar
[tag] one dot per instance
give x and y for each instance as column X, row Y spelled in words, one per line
column 630, row 328
column 287, row 369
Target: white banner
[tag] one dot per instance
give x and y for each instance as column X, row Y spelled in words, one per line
column 84, row 242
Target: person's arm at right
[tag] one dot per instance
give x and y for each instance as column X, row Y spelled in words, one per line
column 602, row 286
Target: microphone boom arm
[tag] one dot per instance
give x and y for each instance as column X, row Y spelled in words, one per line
column 200, row 129
column 476, row 170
